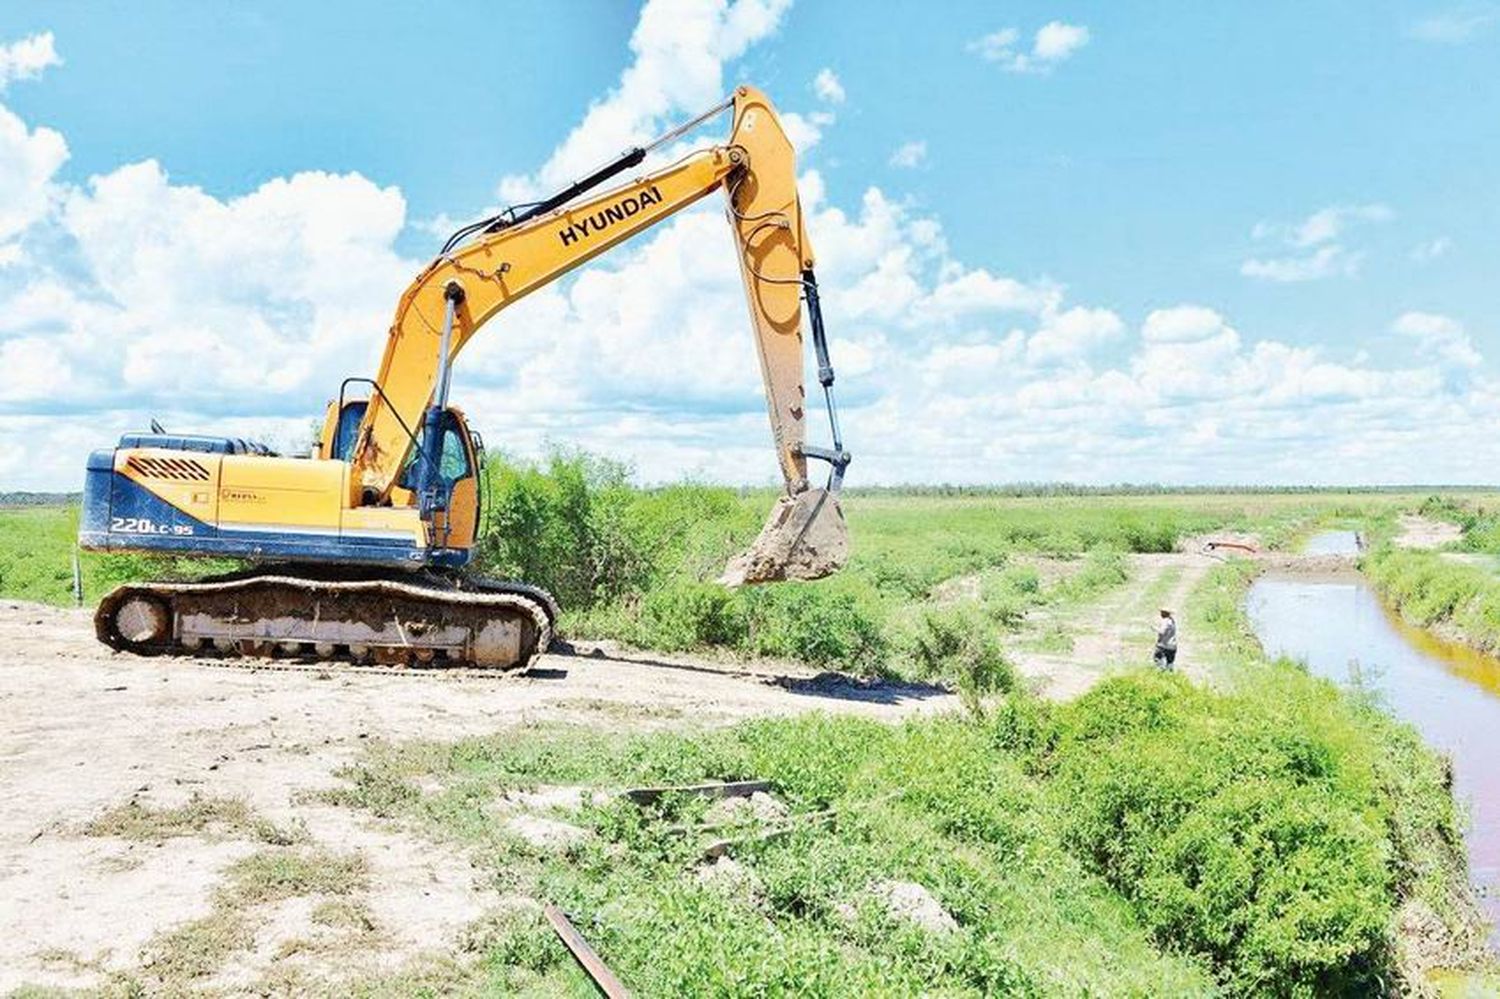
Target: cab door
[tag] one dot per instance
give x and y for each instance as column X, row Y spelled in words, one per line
column 459, row 471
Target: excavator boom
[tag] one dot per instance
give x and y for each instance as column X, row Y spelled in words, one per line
column 470, row 283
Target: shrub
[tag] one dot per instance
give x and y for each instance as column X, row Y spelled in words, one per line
column 1102, row 569
column 958, row 644
column 1007, row 594
column 1151, row 838
column 684, row 615
column 1429, row 590
column 565, row 527
column 815, row 622
column 1255, row 828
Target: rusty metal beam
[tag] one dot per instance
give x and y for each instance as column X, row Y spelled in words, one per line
column 590, row 961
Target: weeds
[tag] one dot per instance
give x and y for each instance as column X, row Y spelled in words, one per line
column 343, row 913
column 270, row 875
column 637, row 565
column 1149, row 838
column 198, row 816
column 1430, row 591
column 957, row 642
column 198, row 948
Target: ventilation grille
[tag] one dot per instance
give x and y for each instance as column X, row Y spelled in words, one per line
column 184, row 469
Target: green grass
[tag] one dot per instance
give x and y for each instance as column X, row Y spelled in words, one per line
column 204, row 817
column 1150, row 838
column 269, row 875
column 639, row 564
column 37, row 547
column 636, row 565
column 1430, row 591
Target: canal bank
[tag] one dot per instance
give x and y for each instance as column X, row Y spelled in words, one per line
column 1336, row 624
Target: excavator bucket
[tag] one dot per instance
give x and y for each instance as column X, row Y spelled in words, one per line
column 804, row 537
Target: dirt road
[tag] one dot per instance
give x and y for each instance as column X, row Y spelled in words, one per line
column 87, row 730
column 1066, row 650
column 1090, row 641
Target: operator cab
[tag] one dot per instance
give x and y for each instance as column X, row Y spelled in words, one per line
column 460, row 460
column 461, row 453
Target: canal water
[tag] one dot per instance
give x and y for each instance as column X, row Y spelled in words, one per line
column 1338, row 626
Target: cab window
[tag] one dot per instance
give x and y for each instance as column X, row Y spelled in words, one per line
column 348, row 425
column 453, row 464
column 453, row 459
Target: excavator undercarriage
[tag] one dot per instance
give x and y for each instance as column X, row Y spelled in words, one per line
column 369, row 618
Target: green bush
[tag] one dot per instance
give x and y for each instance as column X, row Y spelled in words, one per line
column 819, row 623
column 1151, row 838
column 958, row 643
column 1005, row 595
column 1254, row 828
column 564, row 527
column 1429, row 590
column 1102, row 569
column 682, row 615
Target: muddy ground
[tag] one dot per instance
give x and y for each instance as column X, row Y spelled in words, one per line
column 87, row 730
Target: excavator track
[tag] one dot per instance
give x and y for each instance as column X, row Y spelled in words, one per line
column 387, row 622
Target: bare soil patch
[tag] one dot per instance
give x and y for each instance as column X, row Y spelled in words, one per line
column 89, row 730
column 1424, row 532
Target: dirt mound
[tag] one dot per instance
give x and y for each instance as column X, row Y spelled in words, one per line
column 1424, row 532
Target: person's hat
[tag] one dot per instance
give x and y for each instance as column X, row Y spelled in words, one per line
column 1166, row 610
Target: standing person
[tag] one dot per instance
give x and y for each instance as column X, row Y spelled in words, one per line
column 1166, row 640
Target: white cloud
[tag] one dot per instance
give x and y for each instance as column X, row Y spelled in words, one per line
column 1315, row 242
column 1071, row 334
column 967, row 293
column 187, row 297
column 29, row 159
column 240, row 313
column 1440, row 337
column 1182, row 324
column 1431, row 249
column 1053, row 43
column 1454, row 27
column 1056, row 41
column 1328, row 224
column 910, row 155
column 827, row 86
column 25, row 59
column 998, row 46
column 804, row 131
column 679, row 49
column 1327, row 261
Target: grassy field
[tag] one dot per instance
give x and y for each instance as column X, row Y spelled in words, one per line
column 1455, row 592
column 37, row 549
column 1151, row 838
column 637, row 565
column 1268, row 835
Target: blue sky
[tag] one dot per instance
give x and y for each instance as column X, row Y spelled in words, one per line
column 1103, row 242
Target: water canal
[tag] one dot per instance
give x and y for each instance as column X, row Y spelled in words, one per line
column 1339, row 627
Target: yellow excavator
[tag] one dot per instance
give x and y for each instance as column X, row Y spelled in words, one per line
column 357, row 552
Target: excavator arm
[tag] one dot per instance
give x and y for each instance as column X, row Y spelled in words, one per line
column 490, row 265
